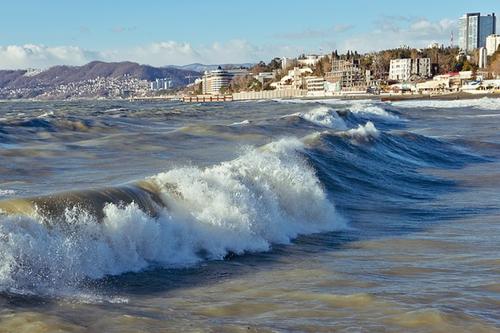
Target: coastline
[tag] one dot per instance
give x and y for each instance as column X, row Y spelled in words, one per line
column 384, row 98
column 396, row 98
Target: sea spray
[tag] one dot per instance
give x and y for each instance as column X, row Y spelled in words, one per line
column 267, row 195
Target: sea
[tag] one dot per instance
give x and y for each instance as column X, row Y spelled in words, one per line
column 261, row 216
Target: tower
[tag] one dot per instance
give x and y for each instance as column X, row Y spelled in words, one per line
column 473, row 29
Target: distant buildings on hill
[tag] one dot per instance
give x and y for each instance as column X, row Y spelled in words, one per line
column 403, row 69
column 161, row 84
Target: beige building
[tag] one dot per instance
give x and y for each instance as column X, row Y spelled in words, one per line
column 492, row 44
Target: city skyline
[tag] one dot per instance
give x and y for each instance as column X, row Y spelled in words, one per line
column 42, row 35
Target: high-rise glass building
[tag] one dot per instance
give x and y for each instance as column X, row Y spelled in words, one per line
column 473, row 30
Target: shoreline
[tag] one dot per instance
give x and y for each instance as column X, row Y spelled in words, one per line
column 383, row 98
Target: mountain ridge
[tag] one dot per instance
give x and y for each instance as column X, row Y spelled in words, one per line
column 64, row 74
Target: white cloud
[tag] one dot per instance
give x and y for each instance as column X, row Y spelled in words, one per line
column 390, row 32
column 41, row 56
column 156, row 54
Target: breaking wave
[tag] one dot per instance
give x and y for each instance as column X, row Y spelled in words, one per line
column 324, row 116
column 267, row 195
column 364, row 131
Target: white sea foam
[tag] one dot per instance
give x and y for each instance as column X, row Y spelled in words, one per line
column 364, row 132
column 244, row 122
column 4, row 193
column 482, row 103
column 267, row 195
column 330, row 101
column 367, row 108
column 46, row 114
column 324, row 116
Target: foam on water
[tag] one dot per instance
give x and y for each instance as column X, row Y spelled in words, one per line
column 5, row 193
column 244, row 122
column 370, row 109
column 267, row 195
column 482, row 103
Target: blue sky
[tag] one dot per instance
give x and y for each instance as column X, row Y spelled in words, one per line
column 44, row 33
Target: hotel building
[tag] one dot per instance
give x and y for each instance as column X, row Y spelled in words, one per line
column 214, row 81
column 473, row 30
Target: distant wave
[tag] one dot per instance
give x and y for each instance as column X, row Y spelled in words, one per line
column 4, row 193
column 244, row 122
column 482, row 103
column 367, row 108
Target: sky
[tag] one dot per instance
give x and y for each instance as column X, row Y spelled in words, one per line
column 40, row 34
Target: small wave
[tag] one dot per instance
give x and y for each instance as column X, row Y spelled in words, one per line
column 267, row 195
column 51, row 124
column 369, row 109
column 244, row 122
column 324, row 116
column 363, row 132
column 5, row 193
column 46, row 114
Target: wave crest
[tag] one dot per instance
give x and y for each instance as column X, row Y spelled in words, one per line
column 324, row 116
column 267, row 195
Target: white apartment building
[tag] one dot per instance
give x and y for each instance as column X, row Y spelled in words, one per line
column 400, row 69
column 492, row 44
column 404, row 69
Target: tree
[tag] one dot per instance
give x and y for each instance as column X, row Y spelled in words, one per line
column 274, row 64
column 323, row 66
column 259, row 68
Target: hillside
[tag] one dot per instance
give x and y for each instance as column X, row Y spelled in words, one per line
column 95, row 79
column 69, row 74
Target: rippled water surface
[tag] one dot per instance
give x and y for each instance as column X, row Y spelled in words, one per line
column 298, row 216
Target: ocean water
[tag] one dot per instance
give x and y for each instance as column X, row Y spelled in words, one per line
column 268, row 216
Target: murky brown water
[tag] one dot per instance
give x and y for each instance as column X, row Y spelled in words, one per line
column 426, row 259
